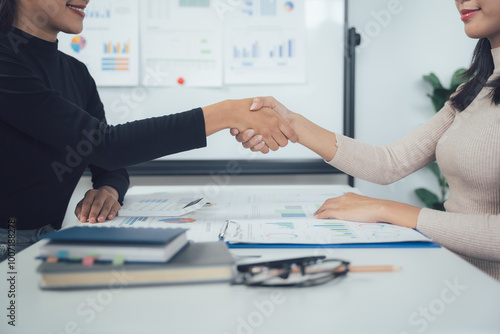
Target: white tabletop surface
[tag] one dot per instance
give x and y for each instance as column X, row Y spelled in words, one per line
column 434, row 292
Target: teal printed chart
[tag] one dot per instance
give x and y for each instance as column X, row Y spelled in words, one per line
column 338, row 228
column 129, row 221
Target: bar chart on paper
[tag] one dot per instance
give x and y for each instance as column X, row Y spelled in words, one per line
column 291, row 211
column 109, row 42
column 258, row 49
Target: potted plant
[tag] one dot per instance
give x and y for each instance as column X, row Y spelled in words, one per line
column 439, row 97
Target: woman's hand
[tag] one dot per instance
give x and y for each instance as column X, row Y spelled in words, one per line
column 358, row 208
column 98, row 205
column 236, row 114
column 255, row 142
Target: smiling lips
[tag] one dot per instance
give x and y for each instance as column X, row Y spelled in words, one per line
column 467, row 13
column 77, row 9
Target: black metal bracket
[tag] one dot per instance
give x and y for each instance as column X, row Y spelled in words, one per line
column 352, row 39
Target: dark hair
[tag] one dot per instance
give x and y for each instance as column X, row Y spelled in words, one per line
column 480, row 70
column 8, row 11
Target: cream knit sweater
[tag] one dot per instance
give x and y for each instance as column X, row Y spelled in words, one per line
column 466, row 146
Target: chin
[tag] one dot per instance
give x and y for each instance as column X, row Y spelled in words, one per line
column 474, row 34
column 73, row 29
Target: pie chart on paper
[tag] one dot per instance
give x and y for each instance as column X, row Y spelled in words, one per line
column 78, row 43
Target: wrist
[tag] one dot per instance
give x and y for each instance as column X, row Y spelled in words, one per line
column 397, row 213
column 218, row 116
column 112, row 191
column 296, row 122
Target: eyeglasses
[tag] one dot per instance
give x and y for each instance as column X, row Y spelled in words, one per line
column 298, row 272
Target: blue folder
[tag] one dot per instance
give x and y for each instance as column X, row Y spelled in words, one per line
column 416, row 244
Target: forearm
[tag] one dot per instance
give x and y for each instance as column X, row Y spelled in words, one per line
column 314, row 137
column 398, row 213
column 218, row 117
column 117, row 179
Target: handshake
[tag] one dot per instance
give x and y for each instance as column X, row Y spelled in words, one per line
column 260, row 124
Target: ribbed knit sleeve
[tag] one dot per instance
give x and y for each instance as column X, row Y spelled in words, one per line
column 387, row 164
column 476, row 236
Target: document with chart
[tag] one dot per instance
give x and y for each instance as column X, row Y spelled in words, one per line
column 316, row 231
column 160, row 205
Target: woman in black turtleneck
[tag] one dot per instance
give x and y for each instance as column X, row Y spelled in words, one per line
column 53, row 126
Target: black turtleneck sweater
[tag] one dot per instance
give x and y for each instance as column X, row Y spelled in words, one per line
column 52, row 127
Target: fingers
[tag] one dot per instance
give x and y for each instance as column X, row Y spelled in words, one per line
column 261, row 147
column 252, row 142
column 234, row 132
column 288, row 132
column 257, row 103
column 280, row 139
column 330, row 208
column 260, row 102
column 85, row 205
column 97, row 206
column 245, row 136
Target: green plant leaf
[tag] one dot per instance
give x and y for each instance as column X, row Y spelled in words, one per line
column 433, row 80
column 433, row 166
column 438, row 206
column 457, row 79
column 438, row 102
column 427, row 197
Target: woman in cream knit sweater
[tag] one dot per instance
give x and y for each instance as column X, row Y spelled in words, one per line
column 464, row 138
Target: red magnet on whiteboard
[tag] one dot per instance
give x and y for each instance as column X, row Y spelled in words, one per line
column 180, row 81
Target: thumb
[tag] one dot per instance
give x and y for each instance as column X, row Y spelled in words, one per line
column 257, row 104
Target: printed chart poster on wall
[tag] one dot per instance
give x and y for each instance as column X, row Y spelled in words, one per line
column 198, row 52
column 181, row 43
column 265, row 42
column 108, row 44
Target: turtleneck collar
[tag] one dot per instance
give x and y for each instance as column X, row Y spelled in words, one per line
column 496, row 58
column 34, row 44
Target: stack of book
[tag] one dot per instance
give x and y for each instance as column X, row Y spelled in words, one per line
column 91, row 257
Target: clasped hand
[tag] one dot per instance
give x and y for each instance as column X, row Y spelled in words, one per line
column 259, row 143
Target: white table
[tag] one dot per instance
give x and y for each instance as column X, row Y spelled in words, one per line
column 435, row 292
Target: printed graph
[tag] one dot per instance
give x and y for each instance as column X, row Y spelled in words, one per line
column 177, row 220
column 268, row 7
column 283, row 225
column 281, row 236
column 372, row 226
column 154, row 200
column 78, row 43
column 117, row 48
column 292, row 211
column 98, row 10
column 131, row 220
column 194, row 3
column 254, row 50
column 339, row 229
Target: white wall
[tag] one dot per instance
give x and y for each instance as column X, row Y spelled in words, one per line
column 424, row 36
column 397, row 49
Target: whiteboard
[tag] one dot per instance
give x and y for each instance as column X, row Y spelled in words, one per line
column 318, row 96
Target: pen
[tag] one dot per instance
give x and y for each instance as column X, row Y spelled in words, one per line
column 361, row 269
